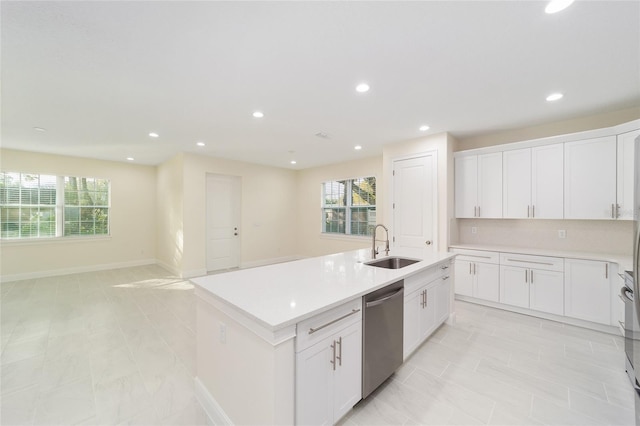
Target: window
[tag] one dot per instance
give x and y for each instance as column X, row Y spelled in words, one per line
column 46, row 206
column 349, row 206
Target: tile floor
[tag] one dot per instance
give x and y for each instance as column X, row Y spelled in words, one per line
column 118, row 348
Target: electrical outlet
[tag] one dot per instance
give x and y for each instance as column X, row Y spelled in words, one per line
column 474, row 230
column 562, row 233
column 223, row 333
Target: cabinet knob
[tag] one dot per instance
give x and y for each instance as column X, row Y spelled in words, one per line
column 428, row 242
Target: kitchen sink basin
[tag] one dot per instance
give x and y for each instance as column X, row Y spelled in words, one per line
column 392, row 262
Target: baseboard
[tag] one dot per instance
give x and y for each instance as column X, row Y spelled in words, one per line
column 214, row 412
column 265, row 262
column 76, row 270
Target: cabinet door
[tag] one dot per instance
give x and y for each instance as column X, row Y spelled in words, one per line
column 490, row 185
column 314, row 382
column 443, row 300
column 516, row 194
column 626, row 150
column 466, row 186
column 514, row 286
column 464, row 278
column 347, row 390
column 428, row 314
column 547, row 177
column 411, row 327
column 487, row 281
column 546, row 291
column 587, row 295
column 590, row 178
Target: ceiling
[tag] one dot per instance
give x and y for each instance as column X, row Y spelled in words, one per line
column 99, row 76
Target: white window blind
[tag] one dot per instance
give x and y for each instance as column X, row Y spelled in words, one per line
column 349, row 206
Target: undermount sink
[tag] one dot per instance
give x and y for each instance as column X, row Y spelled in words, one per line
column 392, row 262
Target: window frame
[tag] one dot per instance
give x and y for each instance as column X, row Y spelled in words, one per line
column 348, row 208
column 59, row 209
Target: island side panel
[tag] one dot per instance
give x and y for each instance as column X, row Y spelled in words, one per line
column 250, row 379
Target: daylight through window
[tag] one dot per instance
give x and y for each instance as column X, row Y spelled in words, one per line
column 349, row 206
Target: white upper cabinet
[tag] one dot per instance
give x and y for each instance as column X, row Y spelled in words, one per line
column 478, row 186
column 590, row 179
column 533, row 182
column 625, row 174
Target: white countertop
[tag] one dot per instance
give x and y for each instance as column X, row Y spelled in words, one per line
column 624, row 262
column 283, row 294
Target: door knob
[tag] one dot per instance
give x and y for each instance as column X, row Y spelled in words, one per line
column 428, row 242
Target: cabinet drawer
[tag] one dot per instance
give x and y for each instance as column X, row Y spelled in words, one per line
column 546, row 263
column 316, row 328
column 480, row 256
column 415, row 281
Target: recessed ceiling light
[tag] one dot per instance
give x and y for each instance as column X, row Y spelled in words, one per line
column 554, row 97
column 357, row 147
column 424, row 128
column 555, row 6
column 40, row 129
column 130, row 158
column 154, row 135
column 293, row 161
column 258, row 114
column 362, row 87
column 200, row 143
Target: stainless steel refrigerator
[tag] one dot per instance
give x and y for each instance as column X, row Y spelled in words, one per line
column 636, row 281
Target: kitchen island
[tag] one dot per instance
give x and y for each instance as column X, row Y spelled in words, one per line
column 252, row 323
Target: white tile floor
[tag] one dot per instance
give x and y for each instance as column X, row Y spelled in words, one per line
column 118, row 348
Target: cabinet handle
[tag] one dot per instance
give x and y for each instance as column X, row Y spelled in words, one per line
column 444, row 267
column 530, row 261
column 339, row 357
column 526, row 276
column 532, row 276
column 479, row 211
column 470, row 268
column 333, row 360
column 445, row 278
column 533, row 211
column 612, row 211
column 528, row 207
column 606, row 270
column 313, row 330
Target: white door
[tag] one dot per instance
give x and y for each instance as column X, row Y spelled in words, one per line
column 514, row 286
column 223, row 222
column 411, row 328
column 590, row 178
column 487, row 281
column 347, row 389
column 314, row 384
column 587, row 294
column 546, row 291
column 466, row 186
column 414, row 203
column 464, row 277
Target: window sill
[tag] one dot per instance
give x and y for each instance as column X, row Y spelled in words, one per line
column 344, row 237
column 54, row 240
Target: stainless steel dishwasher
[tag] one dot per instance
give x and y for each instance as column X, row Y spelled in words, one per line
column 382, row 322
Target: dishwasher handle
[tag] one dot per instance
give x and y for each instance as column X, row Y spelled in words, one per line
column 377, row 302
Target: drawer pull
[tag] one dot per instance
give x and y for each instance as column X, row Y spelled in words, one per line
column 445, row 278
column 474, row 255
column 530, row 261
column 313, row 330
column 621, row 324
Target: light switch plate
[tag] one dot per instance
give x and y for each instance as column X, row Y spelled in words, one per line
column 474, row 230
column 562, row 233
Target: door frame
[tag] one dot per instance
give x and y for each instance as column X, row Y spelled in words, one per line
column 390, row 190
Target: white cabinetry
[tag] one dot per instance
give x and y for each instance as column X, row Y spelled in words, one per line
column 590, row 179
column 626, row 152
column 477, row 274
column 329, row 365
column 426, row 305
column 478, row 186
column 534, row 282
column 587, row 290
column 532, row 180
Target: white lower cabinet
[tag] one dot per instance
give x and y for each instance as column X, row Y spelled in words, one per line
column 329, row 374
column 477, row 275
column 533, row 282
column 426, row 306
column 587, row 290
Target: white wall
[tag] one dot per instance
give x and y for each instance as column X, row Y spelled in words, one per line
column 442, row 144
column 170, row 216
column 267, row 229
column 310, row 240
column 132, row 220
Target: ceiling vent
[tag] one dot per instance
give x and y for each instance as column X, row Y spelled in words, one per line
column 323, row 135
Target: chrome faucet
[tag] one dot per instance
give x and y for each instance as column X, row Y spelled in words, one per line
column 374, row 249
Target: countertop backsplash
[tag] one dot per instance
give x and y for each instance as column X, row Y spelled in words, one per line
column 598, row 236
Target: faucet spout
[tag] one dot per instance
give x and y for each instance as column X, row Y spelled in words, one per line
column 374, row 250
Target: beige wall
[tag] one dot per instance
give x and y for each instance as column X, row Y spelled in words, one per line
column 170, row 214
column 267, row 229
column 442, row 144
column 132, row 219
column 591, row 122
column 310, row 240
